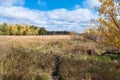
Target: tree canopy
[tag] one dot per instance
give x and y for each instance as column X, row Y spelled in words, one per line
column 19, row 29
column 109, row 22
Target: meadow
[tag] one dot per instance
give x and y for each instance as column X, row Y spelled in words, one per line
column 56, row 57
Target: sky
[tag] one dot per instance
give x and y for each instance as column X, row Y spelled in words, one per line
column 54, row 15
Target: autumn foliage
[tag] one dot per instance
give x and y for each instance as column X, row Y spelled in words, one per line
column 109, row 22
column 92, row 34
column 19, row 29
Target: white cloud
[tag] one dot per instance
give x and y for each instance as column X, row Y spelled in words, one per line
column 58, row 19
column 11, row 2
column 91, row 3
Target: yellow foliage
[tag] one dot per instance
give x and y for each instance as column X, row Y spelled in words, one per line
column 110, row 22
column 92, row 34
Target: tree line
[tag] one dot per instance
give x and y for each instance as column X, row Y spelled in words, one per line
column 19, row 29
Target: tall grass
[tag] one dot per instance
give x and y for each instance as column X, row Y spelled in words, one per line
column 36, row 59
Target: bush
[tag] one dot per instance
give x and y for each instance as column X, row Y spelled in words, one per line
column 92, row 34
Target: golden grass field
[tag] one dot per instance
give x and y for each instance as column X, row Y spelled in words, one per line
column 28, row 41
column 45, row 37
column 55, row 57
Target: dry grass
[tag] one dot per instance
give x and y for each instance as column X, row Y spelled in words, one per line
column 28, row 42
column 34, row 57
column 46, row 37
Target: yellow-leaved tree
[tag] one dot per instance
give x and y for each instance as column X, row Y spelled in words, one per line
column 109, row 22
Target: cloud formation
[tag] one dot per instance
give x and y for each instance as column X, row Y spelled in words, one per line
column 58, row 19
column 91, row 3
column 11, row 2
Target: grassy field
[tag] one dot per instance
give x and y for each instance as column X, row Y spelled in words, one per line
column 55, row 57
column 28, row 41
column 44, row 37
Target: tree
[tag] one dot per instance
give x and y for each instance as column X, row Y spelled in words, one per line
column 4, row 29
column 42, row 31
column 18, row 29
column 109, row 22
column 34, row 30
column 13, row 30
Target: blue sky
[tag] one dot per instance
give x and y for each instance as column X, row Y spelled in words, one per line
column 52, row 4
column 71, row 15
